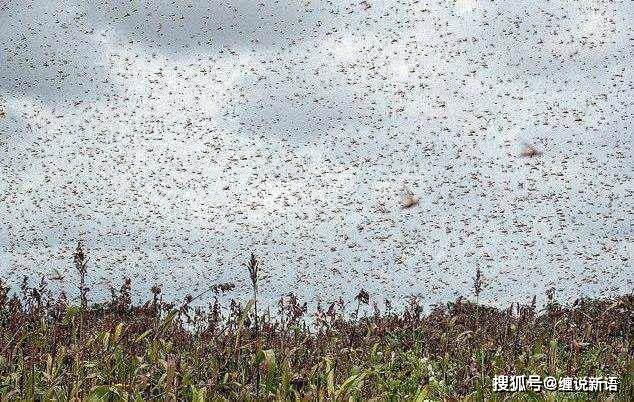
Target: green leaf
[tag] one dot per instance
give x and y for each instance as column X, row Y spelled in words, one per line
column 142, row 336
column 106, row 393
column 330, row 376
column 422, row 395
column 106, row 338
column 99, row 393
column 167, row 320
column 245, row 313
column 350, row 384
column 117, row 332
column 268, row 356
column 198, row 395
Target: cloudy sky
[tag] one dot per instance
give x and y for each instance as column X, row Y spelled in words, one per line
column 174, row 138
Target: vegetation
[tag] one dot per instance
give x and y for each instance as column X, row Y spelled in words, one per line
column 51, row 349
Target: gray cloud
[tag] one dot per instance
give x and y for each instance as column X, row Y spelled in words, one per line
column 196, row 145
column 402, row 60
column 50, row 52
column 191, row 24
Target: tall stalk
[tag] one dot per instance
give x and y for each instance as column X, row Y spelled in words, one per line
column 254, row 267
column 81, row 264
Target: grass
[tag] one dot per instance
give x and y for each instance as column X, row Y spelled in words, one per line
column 54, row 349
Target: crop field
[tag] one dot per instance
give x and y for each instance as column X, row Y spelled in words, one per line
column 54, row 349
